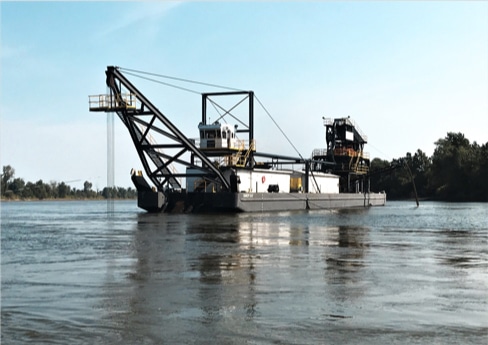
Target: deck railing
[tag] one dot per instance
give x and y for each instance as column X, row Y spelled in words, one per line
column 107, row 102
column 349, row 121
column 341, row 152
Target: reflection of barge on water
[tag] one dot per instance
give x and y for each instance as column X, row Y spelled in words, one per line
column 224, row 173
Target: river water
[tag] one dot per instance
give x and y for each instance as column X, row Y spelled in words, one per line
column 76, row 273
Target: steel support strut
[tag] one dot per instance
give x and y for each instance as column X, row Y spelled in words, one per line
column 131, row 116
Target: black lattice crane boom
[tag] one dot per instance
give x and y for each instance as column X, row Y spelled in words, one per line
column 145, row 121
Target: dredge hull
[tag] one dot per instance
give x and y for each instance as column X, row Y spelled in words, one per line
column 268, row 202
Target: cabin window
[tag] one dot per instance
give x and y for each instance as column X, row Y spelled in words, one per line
column 224, row 135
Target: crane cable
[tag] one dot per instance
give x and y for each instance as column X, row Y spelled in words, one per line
column 128, row 70
column 162, row 82
column 288, row 139
column 134, row 72
column 276, row 124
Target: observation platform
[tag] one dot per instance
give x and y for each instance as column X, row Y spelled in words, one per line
column 110, row 103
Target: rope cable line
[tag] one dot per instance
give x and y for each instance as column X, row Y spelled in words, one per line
column 178, row 79
column 163, row 83
column 137, row 73
column 276, row 124
column 228, row 112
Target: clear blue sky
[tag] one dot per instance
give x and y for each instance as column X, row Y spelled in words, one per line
column 407, row 72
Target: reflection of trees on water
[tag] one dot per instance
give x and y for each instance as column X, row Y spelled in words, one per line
column 460, row 248
column 344, row 257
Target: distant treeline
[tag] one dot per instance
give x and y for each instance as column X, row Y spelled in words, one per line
column 457, row 171
column 15, row 188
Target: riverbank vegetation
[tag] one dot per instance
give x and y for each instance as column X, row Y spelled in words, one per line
column 15, row 188
column 457, row 171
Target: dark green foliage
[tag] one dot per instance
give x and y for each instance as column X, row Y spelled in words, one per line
column 118, row 193
column 7, row 175
column 17, row 188
column 63, row 190
column 457, row 171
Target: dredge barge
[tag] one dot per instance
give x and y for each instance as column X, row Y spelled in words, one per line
column 226, row 174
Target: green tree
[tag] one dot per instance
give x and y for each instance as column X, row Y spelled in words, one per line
column 87, row 190
column 131, row 193
column 28, row 191
column 63, row 190
column 87, row 186
column 451, row 164
column 481, row 180
column 7, row 175
column 39, row 190
column 53, row 189
column 420, row 166
column 16, row 186
column 109, row 192
column 384, row 177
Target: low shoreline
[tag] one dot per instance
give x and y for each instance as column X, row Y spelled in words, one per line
column 64, row 199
